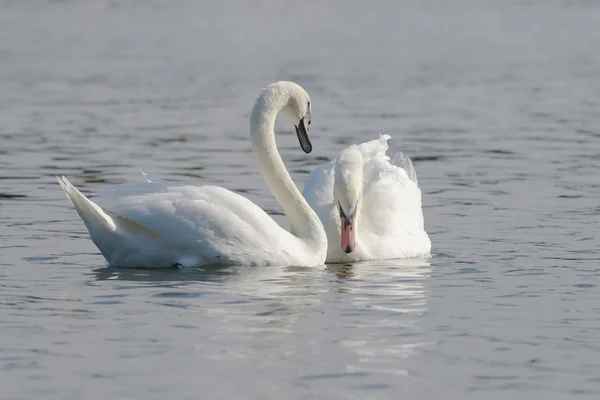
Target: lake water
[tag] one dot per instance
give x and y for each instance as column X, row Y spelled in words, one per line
column 497, row 103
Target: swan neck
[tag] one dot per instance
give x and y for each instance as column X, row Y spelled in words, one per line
column 303, row 220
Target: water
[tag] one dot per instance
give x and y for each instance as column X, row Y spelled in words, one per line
column 497, row 102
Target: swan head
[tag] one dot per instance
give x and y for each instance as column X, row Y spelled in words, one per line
column 297, row 109
column 293, row 101
column 347, row 193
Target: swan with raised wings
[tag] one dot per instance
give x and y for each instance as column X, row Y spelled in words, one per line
column 151, row 224
column 370, row 207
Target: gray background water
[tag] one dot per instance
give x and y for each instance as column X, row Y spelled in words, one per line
column 497, row 102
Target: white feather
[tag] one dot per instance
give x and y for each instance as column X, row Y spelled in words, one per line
column 390, row 218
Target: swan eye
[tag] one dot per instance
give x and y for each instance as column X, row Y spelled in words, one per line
column 342, row 213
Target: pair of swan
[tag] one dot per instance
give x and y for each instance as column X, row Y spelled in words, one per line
column 371, row 208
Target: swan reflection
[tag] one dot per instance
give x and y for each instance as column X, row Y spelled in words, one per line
column 365, row 315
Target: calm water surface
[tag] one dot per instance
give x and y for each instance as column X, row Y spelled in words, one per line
column 497, row 102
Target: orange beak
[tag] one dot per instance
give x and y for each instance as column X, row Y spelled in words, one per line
column 347, row 234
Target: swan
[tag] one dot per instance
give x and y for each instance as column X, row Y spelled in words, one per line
column 370, row 208
column 152, row 224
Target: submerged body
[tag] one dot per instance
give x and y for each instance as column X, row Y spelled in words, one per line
column 154, row 224
column 370, row 208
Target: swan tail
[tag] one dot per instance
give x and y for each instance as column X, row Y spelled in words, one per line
column 94, row 217
column 405, row 163
column 121, row 241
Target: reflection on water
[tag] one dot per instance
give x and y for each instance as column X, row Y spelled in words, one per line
column 399, row 294
column 283, row 300
column 174, row 275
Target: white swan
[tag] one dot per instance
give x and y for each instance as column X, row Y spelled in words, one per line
column 148, row 224
column 370, row 208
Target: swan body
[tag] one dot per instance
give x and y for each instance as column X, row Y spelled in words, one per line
column 370, row 207
column 155, row 224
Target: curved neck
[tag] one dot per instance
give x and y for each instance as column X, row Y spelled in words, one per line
column 304, row 221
